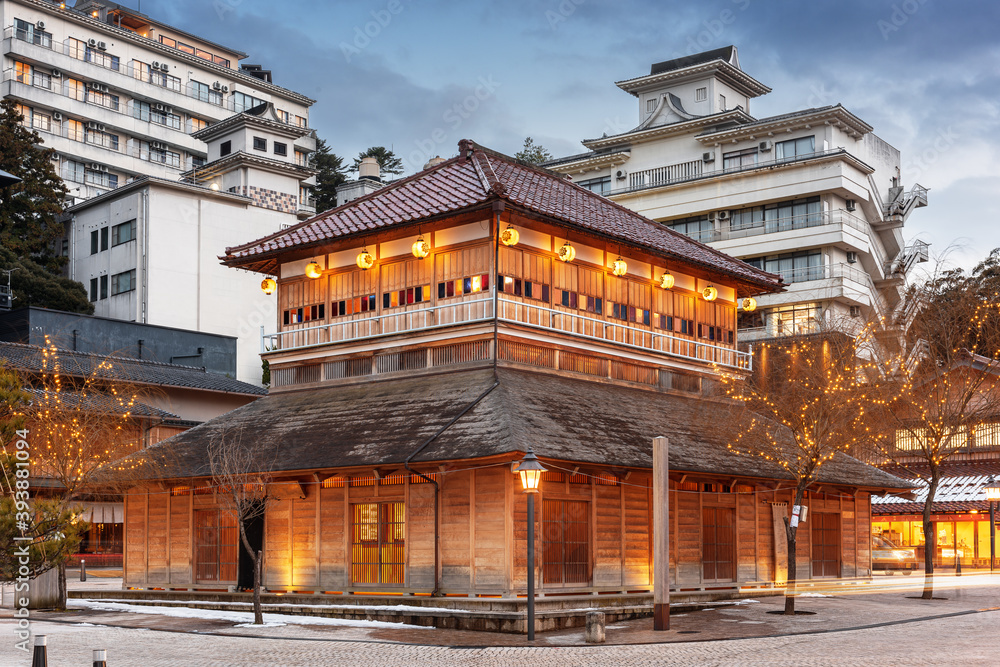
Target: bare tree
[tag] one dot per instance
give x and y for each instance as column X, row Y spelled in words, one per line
column 242, row 468
column 806, row 401
column 946, row 382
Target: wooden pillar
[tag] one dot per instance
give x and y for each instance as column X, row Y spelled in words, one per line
column 661, row 535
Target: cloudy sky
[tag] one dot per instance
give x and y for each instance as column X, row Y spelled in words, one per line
column 418, row 75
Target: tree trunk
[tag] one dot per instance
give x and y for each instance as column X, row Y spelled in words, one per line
column 62, row 586
column 930, row 535
column 258, row 615
column 790, row 533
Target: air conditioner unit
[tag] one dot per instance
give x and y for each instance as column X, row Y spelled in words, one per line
column 765, row 146
column 101, row 127
column 102, row 46
column 851, row 205
column 91, row 125
column 216, row 86
column 156, row 64
column 158, row 107
column 225, row 89
column 56, row 115
column 621, row 174
column 722, row 215
column 56, row 74
column 855, row 311
column 165, row 67
column 852, row 257
column 93, row 85
column 102, row 168
column 157, row 144
column 91, row 42
column 94, row 166
column 40, row 25
column 104, row 89
column 708, row 157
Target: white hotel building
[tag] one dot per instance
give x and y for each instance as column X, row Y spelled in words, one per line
column 813, row 195
column 171, row 150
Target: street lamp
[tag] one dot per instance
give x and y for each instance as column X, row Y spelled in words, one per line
column 530, row 469
column 993, row 495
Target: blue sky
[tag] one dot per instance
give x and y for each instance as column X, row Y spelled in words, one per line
column 418, row 75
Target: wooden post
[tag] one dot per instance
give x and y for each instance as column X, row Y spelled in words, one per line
column 661, row 534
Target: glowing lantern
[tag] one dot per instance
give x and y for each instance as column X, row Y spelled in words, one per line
column 710, row 293
column 421, row 248
column 314, row 270
column 749, row 304
column 530, row 469
column 620, row 267
column 365, row 259
column 667, row 280
column 993, row 490
column 268, row 285
column 509, row 236
column 567, row 252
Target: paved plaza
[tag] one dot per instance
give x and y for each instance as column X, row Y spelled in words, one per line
column 879, row 625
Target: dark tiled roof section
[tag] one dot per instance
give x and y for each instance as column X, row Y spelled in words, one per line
column 29, row 358
column 725, row 53
column 475, row 177
column 105, row 404
column 382, row 423
column 947, row 507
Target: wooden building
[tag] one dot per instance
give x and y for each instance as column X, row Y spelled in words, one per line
column 431, row 332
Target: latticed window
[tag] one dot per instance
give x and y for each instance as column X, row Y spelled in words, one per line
column 378, row 543
column 216, row 539
column 565, row 542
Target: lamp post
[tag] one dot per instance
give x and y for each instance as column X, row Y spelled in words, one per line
column 993, row 495
column 530, row 469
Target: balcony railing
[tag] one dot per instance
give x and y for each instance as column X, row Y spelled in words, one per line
column 825, row 272
column 521, row 313
column 682, row 172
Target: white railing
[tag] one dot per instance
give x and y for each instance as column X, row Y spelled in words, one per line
column 648, row 178
column 511, row 311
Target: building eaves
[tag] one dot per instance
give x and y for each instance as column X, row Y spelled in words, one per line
column 722, row 68
column 254, row 120
column 637, row 135
column 28, row 358
column 590, row 160
column 240, row 158
column 820, row 114
column 146, row 180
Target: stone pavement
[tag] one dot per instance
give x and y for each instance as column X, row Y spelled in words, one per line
column 864, row 628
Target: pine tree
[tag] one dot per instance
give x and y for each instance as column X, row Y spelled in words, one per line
column 388, row 163
column 532, row 153
column 28, row 209
column 331, row 174
column 34, row 285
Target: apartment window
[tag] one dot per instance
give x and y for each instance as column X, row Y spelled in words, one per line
column 225, row 148
column 101, row 138
column 280, row 149
column 197, row 124
column 242, row 102
column 194, row 51
column 205, row 93
column 722, row 102
column 197, row 161
column 26, row 115
column 796, row 320
column 104, row 238
column 72, row 171
column 301, row 158
column 95, row 242
column 29, row 32
column 26, row 74
column 784, row 150
column 123, row 282
column 301, row 121
column 93, row 289
column 701, row 94
column 103, row 99
column 103, row 59
column 104, row 286
column 793, row 267
column 101, row 179
column 736, row 159
column 601, row 186
column 162, row 155
column 75, row 130
column 76, row 90
column 698, row 227
column 40, row 121
column 651, row 105
column 283, row 116
column 259, row 144
column 76, row 48
column 123, row 233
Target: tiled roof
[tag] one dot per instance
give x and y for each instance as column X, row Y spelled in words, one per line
column 725, row 53
column 105, row 404
column 29, row 358
column 962, row 492
column 562, row 418
column 474, row 178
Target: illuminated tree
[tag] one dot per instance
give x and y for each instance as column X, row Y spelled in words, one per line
column 806, row 401
column 946, row 392
column 241, row 466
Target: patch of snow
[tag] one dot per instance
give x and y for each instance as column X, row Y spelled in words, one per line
column 813, row 595
column 239, row 617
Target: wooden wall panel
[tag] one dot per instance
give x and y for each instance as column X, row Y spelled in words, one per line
column 637, row 538
column 333, row 550
column 420, row 536
column 181, row 566
column 304, row 543
column 456, row 570
column 157, row 538
column 490, row 568
column 607, row 537
column 135, row 537
column 688, row 538
column 277, row 554
column 746, row 538
column 863, row 522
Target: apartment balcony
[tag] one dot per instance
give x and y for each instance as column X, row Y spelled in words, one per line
column 476, row 317
column 841, row 282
